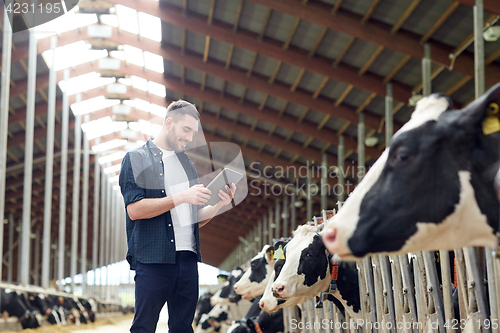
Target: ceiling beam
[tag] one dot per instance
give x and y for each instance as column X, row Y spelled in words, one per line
column 489, row 5
column 380, row 33
column 216, row 69
column 248, row 40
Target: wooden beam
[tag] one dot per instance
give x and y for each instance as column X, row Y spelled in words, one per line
column 297, row 80
column 264, row 25
column 440, row 21
column 404, row 42
column 275, row 72
column 207, row 48
column 336, row 7
column 489, row 5
column 229, row 56
column 238, row 16
column 291, row 33
column 370, row 11
column 405, row 16
column 371, row 60
column 396, row 69
column 365, row 103
column 320, row 87
column 244, row 39
column 252, row 64
column 211, row 12
column 343, row 53
column 318, row 42
column 344, row 95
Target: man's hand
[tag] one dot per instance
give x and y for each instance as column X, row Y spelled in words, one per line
column 195, row 195
column 226, row 198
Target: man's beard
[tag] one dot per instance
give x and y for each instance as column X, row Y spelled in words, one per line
column 173, row 142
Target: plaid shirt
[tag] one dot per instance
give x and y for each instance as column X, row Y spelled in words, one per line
column 141, row 176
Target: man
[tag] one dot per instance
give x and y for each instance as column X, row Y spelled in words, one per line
column 164, row 202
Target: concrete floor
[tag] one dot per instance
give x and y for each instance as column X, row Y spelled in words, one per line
column 123, row 325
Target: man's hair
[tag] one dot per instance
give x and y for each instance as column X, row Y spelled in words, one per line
column 179, row 108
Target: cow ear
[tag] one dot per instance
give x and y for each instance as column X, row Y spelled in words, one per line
column 250, row 323
column 270, row 254
column 483, row 112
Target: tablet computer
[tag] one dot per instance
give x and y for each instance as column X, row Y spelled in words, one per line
column 225, row 177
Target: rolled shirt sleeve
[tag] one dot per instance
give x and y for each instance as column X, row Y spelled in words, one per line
column 128, row 185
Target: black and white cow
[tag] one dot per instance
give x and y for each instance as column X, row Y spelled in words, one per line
column 46, row 308
column 432, row 189
column 304, row 271
column 254, row 281
column 203, row 306
column 212, row 321
column 17, row 305
column 263, row 323
column 89, row 305
column 221, row 297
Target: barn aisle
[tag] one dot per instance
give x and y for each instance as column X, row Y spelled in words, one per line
column 123, row 325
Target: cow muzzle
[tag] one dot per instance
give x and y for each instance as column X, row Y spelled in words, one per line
column 333, row 242
column 279, row 290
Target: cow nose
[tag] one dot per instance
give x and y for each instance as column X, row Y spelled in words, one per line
column 279, row 290
column 330, row 235
column 261, row 305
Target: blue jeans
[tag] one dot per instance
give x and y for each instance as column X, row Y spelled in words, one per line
column 176, row 284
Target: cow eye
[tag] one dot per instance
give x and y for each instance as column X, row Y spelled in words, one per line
column 402, row 154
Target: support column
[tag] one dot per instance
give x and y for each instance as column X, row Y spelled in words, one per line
column 479, row 48
column 277, row 220
column 361, row 146
column 62, row 193
column 85, row 208
column 10, row 254
column 426, row 70
column 49, row 165
column 95, row 234
column 389, row 102
column 28, row 158
column 36, row 266
column 265, row 231
column 4, row 119
column 324, row 182
column 341, row 166
column 309, row 195
column 76, row 192
column 286, row 214
column 293, row 215
column 271, row 226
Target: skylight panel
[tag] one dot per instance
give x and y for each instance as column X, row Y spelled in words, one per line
column 102, row 126
column 127, row 17
column 109, row 19
column 93, row 104
column 154, row 62
column 109, row 145
column 73, row 54
column 139, row 83
column 134, row 55
column 150, row 26
column 69, row 21
column 85, row 82
column 120, row 55
column 157, row 89
column 112, row 169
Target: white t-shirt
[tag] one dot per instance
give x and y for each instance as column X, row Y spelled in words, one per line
column 177, row 181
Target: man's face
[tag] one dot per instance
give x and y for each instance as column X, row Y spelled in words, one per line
column 181, row 132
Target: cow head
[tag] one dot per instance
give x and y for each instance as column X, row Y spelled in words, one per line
column 254, row 281
column 271, row 304
column 203, row 306
column 305, row 269
column 222, row 295
column 433, row 188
